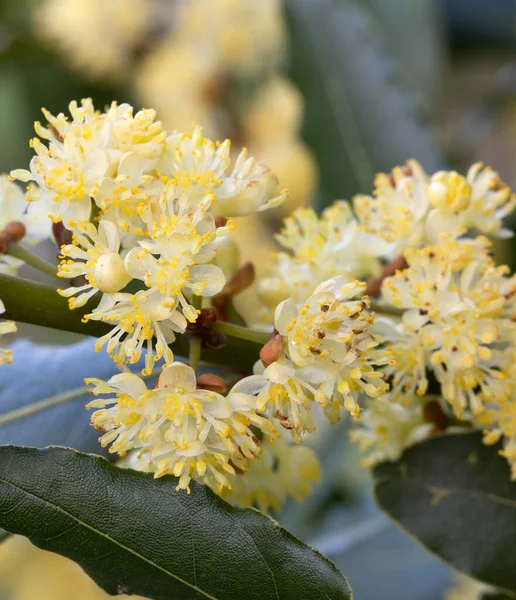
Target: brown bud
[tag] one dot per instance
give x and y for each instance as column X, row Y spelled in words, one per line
column 374, row 286
column 433, row 413
column 220, row 221
column 14, row 231
column 211, row 382
column 239, row 282
column 207, row 317
column 272, row 350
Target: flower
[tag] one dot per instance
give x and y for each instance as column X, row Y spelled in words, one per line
column 388, row 426
column 83, row 152
column 173, row 259
column 13, row 208
column 178, row 429
column 199, row 165
column 95, row 36
column 94, row 255
column 283, row 470
column 458, row 324
column 319, row 248
column 409, row 209
column 491, row 201
column 330, row 339
column 328, row 356
column 397, row 210
column 137, row 319
column 6, row 356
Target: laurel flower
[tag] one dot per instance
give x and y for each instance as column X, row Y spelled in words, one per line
column 283, row 394
column 282, row 471
column 388, row 426
column 82, row 152
column 200, row 165
column 6, row 356
column 318, row 248
column 13, row 208
column 491, row 201
column 499, row 424
column 95, row 36
column 173, row 259
column 178, row 429
column 458, row 324
column 94, row 255
column 136, row 320
column 331, row 340
column 397, row 210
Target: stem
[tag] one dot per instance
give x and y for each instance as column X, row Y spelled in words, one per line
column 39, row 304
column 31, row 259
column 242, row 333
column 194, row 353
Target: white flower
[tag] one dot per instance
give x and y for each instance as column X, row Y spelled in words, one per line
column 173, row 259
column 95, row 36
column 388, row 426
column 329, row 357
column 95, row 254
column 6, row 356
column 13, row 208
column 283, row 394
column 137, row 319
column 491, row 201
column 330, row 338
column 283, row 470
column 178, row 429
column 200, row 165
column 321, row 248
column 83, row 152
column 459, row 324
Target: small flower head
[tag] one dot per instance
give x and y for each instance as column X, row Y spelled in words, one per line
column 95, row 255
column 178, row 429
column 458, row 323
column 199, row 165
column 330, row 338
column 283, row 470
column 388, row 426
column 137, row 320
column 6, row 356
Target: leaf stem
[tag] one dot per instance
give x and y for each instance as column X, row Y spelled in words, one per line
column 19, row 251
column 194, row 353
column 242, row 333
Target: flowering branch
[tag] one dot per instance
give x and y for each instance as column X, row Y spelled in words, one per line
column 38, row 304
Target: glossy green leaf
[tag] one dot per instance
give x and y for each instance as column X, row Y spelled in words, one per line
column 138, row 535
column 454, row 494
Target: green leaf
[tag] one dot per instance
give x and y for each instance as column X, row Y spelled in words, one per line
column 454, row 494
column 358, row 121
column 135, row 534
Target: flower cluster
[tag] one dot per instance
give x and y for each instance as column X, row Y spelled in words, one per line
column 142, row 206
column 177, row 428
column 328, row 357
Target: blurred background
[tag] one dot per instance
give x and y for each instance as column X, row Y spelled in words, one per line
column 328, row 92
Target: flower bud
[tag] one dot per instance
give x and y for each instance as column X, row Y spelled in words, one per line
column 110, row 273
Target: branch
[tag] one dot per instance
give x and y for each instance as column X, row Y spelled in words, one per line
column 39, row 304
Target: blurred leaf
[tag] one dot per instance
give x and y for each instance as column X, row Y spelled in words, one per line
column 43, row 396
column 357, row 121
column 455, row 495
column 134, row 534
column 412, row 34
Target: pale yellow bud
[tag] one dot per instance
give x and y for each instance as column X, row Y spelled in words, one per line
column 110, row 273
